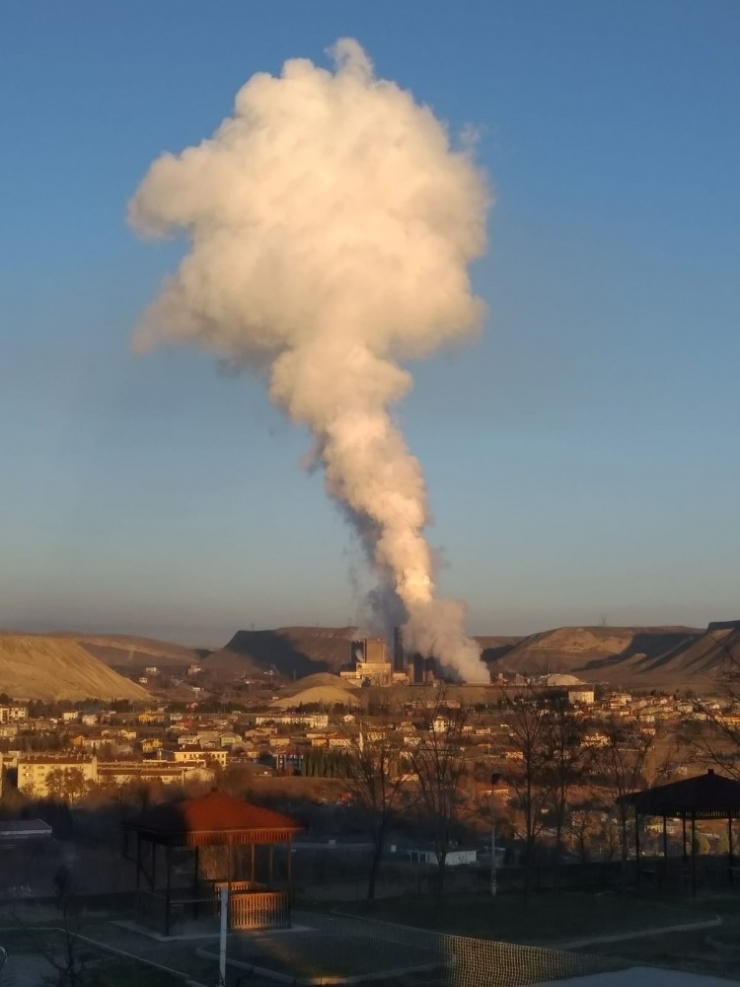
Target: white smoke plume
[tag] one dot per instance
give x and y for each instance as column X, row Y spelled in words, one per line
column 331, row 224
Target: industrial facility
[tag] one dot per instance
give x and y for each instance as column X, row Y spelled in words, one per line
column 370, row 665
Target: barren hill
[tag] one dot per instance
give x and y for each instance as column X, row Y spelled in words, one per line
column 39, row 666
column 697, row 660
column 494, row 648
column 123, row 650
column 625, row 654
column 630, row 656
column 292, row 651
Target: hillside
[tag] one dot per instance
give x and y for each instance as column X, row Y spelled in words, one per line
column 494, row 648
column 292, row 651
column 638, row 655
column 702, row 659
column 39, row 666
column 645, row 657
column 129, row 650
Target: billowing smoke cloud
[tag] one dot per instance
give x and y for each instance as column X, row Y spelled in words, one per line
column 331, row 225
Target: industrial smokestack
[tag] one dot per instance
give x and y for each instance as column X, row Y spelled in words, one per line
column 331, row 224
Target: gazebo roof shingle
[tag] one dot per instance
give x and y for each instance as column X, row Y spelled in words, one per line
column 213, row 818
column 706, row 796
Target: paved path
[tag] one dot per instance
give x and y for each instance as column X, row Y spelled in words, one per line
column 643, row 976
column 711, row 922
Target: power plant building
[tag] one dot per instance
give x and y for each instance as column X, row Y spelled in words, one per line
column 371, row 667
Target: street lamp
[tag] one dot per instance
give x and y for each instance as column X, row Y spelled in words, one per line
column 494, row 779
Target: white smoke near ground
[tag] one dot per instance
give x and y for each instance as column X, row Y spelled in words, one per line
column 331, row 224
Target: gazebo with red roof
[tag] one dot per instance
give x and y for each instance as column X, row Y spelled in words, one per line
column 186, row 826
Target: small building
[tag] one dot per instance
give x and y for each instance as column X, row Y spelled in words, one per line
column 456, row 857
column 224, row 826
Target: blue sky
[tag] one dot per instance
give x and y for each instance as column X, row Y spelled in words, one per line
column 582, row 456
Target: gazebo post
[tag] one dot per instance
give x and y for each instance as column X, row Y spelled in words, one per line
column 693, row 854
column 168, row 861
column 269, row 865
column 230, row 879
column 251, row 866
column 290, row 869
column 154, row 865
column 637, row 844
column 731, row 874
column 665, row 847
column 196, row 875
column 138, row 859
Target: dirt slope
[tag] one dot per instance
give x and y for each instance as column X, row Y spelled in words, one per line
column 599, row 653
column 291, row 651
column 705, row 658
column 123, row 650
column 493, row 648
column 39, row 666
column 627, row 656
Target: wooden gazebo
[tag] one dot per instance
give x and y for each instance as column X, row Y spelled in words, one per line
column 707, row 796
column 180, row 830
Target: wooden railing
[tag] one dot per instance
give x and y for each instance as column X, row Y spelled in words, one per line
column 253, row 906
column 250, row 907
column 259, row 910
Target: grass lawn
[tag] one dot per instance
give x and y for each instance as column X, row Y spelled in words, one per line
column 110, row 969
column 547, row 919
column 691, row 951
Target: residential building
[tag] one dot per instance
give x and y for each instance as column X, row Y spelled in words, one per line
column 34, row 771
column 13, row 713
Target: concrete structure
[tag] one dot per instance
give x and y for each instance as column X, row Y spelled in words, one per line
column 371, row 666
column 314, row 721
column 195, row 755
column 453, row 858
column 581, row 695
column 34, row 771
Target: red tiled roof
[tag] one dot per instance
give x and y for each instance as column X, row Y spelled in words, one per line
column 214, row 814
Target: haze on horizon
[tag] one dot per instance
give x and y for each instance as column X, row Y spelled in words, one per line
column 581, row 456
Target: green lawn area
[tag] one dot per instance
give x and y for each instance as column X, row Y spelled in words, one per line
column 547, row 919
column 104, row 967
column 691, row 951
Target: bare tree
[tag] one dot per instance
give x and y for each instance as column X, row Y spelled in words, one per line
column 376, row 775
column 628, row 760
column 438, row 763
column 66, row 784
column 715, row 732
column 585, row 826
column 526, row 719
column 567, row 760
